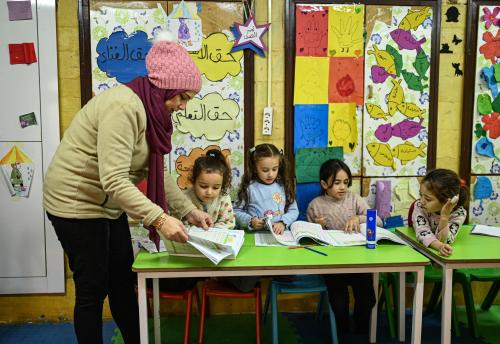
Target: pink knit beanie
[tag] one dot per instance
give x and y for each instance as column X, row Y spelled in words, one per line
column 170, row 66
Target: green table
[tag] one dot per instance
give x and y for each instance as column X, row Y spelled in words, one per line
column 469, row 251
column 270, row 261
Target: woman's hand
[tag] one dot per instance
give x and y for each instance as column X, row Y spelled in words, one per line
column 257, row 223
column 199, row 218
column 352, row 225
column 173, row 229
column 278, row 227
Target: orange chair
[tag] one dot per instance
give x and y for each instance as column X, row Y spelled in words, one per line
column 213, row 288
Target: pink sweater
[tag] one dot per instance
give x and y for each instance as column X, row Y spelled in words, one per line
column 426, row 224
column 338, row 211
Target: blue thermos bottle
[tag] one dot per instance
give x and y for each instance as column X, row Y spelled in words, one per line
column 371, row 228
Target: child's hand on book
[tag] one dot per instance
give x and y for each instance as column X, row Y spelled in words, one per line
column 278, row 227
column 320, row 219
column 257, row 223
column 173, row 229
column 352, row 225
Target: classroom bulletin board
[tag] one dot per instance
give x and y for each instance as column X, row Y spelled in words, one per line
column 120, row 35
column 363, row 79
column 481, row 129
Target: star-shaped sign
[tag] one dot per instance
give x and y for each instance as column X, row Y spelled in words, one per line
column 250, row 33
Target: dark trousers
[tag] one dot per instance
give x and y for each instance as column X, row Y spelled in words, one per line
column 100, row 255
column 364, row 300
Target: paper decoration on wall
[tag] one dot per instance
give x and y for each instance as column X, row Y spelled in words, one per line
column 184, row 164
column 305, row 193
column 186, row 23
column 250, row 34
column 346, row 80
column 122, row 56
column 491, row 49
column 215, row 60
column 490, row 17
column 458, row 71
column 489, row 77
column 345, row 31
column 17, row 172
column 381, row 154
column 456, row 40
column 407, row 151
column 342, row 126
column 211, row 116
column 405, row 129
column 311, row 85
column 311, row 25
column 22, row 53
column 27, row 120
column 452, row 14
column 483, row 188
column 415, row 18
column 492, row 125
column 485, row 147
column 383, row 198
column 310, row 129
column 309, row 160
column 405, row 40
column 445, row 49
column 485, row 207
column 19, row 10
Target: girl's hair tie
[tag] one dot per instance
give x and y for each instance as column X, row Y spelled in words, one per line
column 462, row 182
column 251, row 150
column 211, row 154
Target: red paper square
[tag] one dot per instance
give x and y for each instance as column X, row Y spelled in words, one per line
column 346, row 84
column 22, row 53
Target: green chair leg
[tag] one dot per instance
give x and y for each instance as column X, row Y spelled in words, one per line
column 469, row 303
column 389, row 309
column 490, row 297
column 433, row 300
column 454, row 317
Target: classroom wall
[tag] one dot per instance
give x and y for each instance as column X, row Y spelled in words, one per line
column 60, row 307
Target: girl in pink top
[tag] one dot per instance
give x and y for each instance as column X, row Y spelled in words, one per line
column 439, row 213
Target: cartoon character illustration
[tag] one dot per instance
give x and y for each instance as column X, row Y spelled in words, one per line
column 16, row 177
column 183, row 33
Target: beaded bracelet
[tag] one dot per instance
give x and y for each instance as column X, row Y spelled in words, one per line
column 159, row 223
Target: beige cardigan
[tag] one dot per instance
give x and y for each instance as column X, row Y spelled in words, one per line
column 101, row 158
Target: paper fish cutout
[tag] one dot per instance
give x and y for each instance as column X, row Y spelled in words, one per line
column 484, row 104
column 398, row 59
column 407, row 151
column 489, row 76
column 421, row 65
column 485, row 147
column 411, row 110
column 384, row 59
column 379, row 74
column 381, row 154
column 413, row 81
column 395, row 97
column 383, row 198
column 491, row 49
column 376, row 111
column 483, row 188
column 406, row 41
column 405, row 130
column 414, row 18
column 492, row 125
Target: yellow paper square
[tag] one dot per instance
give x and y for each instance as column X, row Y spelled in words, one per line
column 342, row 126
column 345, row 30
column 311, row 80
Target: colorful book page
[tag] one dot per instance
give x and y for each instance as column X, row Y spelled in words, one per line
column 311, row 85
column 485, row 157
column 346, row 82
column 309, row 160
column 345, row 30
column 342, row 126
column 309, row 123
column 311, row 28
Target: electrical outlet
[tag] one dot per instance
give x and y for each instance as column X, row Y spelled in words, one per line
column 267, row 121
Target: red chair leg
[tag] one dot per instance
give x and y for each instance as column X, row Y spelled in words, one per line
column 189, row 296
column 202, row 315
column 257, row 314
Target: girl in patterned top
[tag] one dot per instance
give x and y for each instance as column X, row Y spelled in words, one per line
column 211, row 179
column 439, row 213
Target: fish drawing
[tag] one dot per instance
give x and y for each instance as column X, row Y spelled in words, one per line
column 407, row 151
column 411, row 110
column 384, row 59
column 376, row 111
column 381, row 154
column 379, row 74
column 405, row 40
column 405, row 130
column 414, row 18
column 421, row 65
column 413, row 81
column 395, row 97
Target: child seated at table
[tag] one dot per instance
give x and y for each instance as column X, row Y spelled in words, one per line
column 338, row 208
column 439, row 213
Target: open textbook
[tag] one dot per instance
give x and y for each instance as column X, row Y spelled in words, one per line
column 214, row 243
column 486, row 230
column 301, row 229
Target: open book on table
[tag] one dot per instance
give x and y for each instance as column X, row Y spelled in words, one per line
column 300, row 230
column 486, row 230
column 215, row 244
